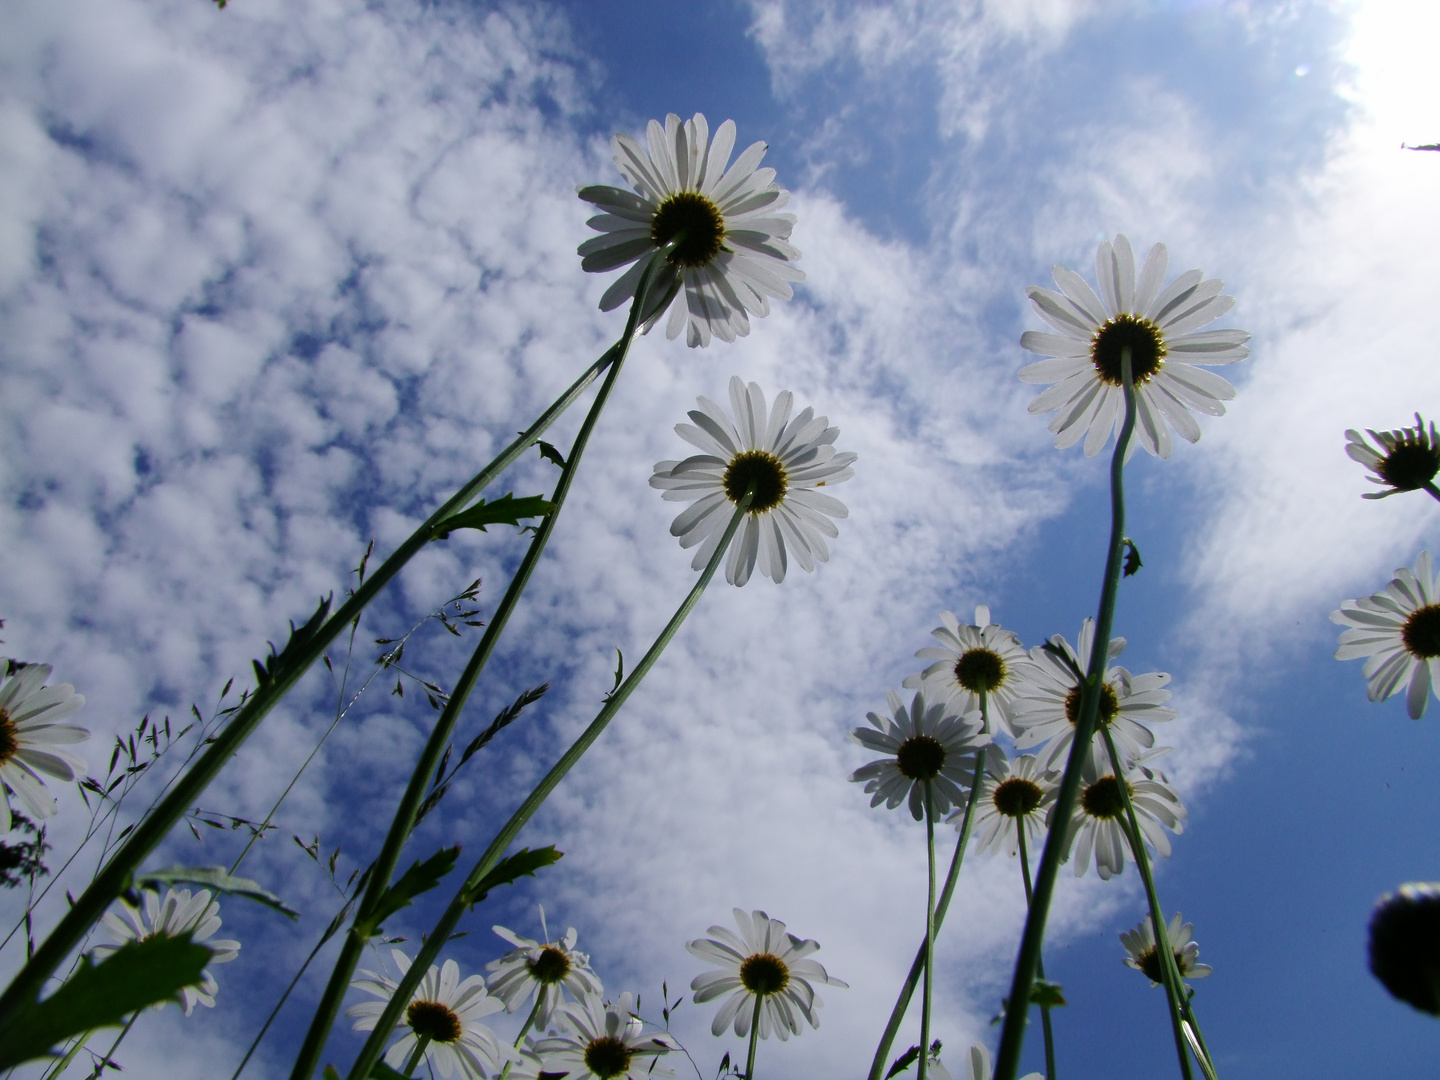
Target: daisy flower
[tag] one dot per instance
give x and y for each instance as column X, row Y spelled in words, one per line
column 783, row 460
column 1015, row 793
column 762, row 963
column 445, row 1011
column 977, row 1066
column 1047, row 707
column 1098, row 824
column 1405, row 944
column 1399, row 630
column 604, row 1042
column 180, row 912
column 733, row 252
column 923, row 742
column 1403, row 460
column 545, row 969
column 1144, row 957
column 1157, row 324
column 972, row 659
column 32, row 739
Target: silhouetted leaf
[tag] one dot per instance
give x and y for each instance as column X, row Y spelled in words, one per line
column 216, row 879
column 506, row 510
column 523, row 863
column 421, row 877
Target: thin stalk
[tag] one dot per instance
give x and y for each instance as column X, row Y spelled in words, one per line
column 1039, row 962
column 1434, row 494
column 754, row 1037
column 925, row 998
column 524, row 1030
column 110, row 1054
column 465, row 896
column 1012, row 1035
column 421, row 1041
column 58, row 1069
column 1164, row 954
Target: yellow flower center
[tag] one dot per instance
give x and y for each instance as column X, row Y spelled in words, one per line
column 1147, row 348
column 759, row 469
column 696, row 220
column 764, row 974
column 432, row 1019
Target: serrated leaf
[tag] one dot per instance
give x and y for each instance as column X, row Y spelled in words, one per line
column 136, row 975
column 1046, row 994
column 549, row 453
column 1132, row 558
column 506, row 510
column 216, row 879
column 903, row 1062
column 523, row 863
column 274, row 664
column 421, row 877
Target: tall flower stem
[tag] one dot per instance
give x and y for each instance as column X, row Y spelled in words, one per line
column 115, row 875
column 1039, row 961
column 466, row 896
column 1164, row 954
column 1012, row 1035
column 362, row 927
column 925, row 999
column 421, row 1042
column 754, row 1037
column 524, row 1030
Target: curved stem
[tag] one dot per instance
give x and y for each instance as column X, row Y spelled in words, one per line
column 467, row 895
column 524, row 1030
column 1012, row 1035
column 421, row 1042
column 925, row 998
column 1039, row 961
column 754, row 1037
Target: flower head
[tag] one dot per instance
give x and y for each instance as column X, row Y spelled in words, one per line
column 1015, row 794
column 1405, row 944
column 977, row 1066
column 1143, row 955
column 32, row 739
column 178, row 913
column 1406, row 459
column 1399, row 630
column 445, row 1010
column 1098, row 823
column 732, row 250
column 545, row 969
column 970, row 660
column 1156, row 324
column 783, row 461
column 765, row 963
column 604, row 1042
column 921, row 743
column 1047, row 707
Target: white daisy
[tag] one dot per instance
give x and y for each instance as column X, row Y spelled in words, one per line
column 970, row 659
column 762, row 962
column 179, row 912
column 734, row 251
column 1144, row 957
column 604, row 1042
column 545, row 969
column 923, row 742
column 1047, row 706
column 977, row 1066
column 1098, row 824
column 1399, row 630
column 1405, row 460
column 444, row 1010
column 32, row 740
column 1157, row 324
column 1015, row 793
column 784, row 460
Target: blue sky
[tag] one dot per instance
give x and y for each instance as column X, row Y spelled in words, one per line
column 276, row 280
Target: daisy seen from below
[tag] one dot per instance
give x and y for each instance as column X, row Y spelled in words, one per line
column 1098, row 827
column 782, row 460
column 32, row 739
column 1047, row 707
column 1161, row 328
column 1403, row 460
column 732, row 251
column 178, row 913
column 977, row 1066
column 970, row 660
column 1015, row 794
column 923, row 744
column 1398, row 629
column 542, row 968
column 604, row 1042
column 1144, row 957
column 442, row 1020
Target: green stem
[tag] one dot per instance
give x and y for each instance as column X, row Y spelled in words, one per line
column 1040, row 960
column 421, row 1042
column 110, row 1054
column 466, row 896
column 928, row 989
column 524, row 1030
column 58, row 1069
column 754, row 1037
column 1169, row 972
column 1012, row 1035
column 1434, row 494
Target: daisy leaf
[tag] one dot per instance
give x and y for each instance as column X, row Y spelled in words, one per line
column 523, row 863
column 506, row 510
column 421, row 877
column 217, row 879
column 1132, row 558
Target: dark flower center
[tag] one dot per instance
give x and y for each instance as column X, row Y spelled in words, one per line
column 764, row 974
column 1405, row 945
column 1412, row 463
column 1109, row 704
column 432, row 1020
column 921, row 757
column 1421, row 634
column 1017, row 797
column 1147, row 348
column 1103, row 799
column 759, row 469
column 980, row 670
column 550, row 966
column 9, row 737
column 1149, row 962
column 700, row 221
column 608, row 1056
